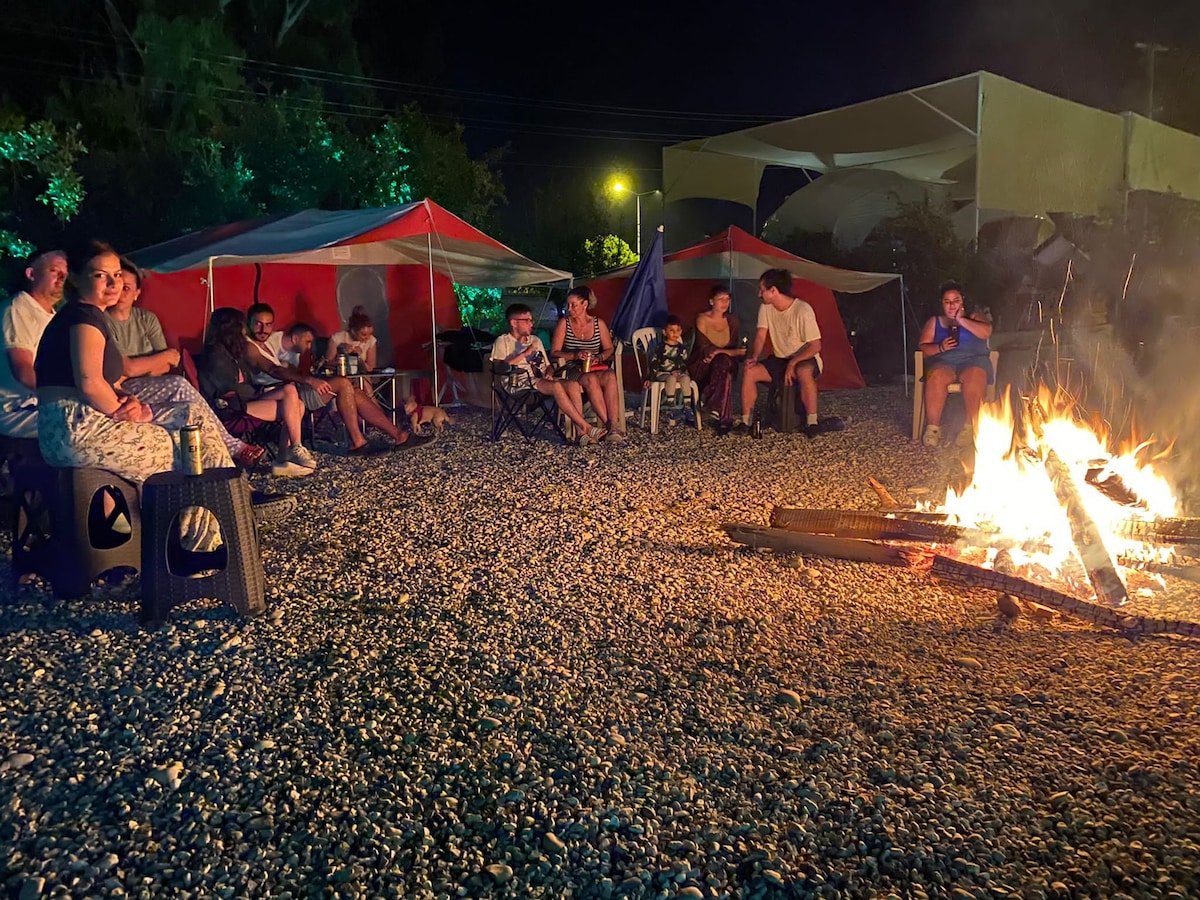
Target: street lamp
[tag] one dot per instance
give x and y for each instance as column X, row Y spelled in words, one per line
column 620, row 187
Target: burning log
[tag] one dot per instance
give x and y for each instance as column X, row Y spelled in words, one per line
column 1160, row 531
column 1111, row 485
column 1101, row 572
column 816, row 544
column 974, row 576
column 872, row 526
column 1184, row 573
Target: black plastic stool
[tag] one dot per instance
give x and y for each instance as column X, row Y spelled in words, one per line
column 60, row 533
column 14, row 453
column 239, row 582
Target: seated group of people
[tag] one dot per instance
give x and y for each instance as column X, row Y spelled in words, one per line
column 582, row 346
column 92, row 379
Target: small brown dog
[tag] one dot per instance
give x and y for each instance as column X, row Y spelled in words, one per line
column 420, row 416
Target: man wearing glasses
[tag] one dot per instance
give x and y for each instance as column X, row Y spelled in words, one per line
column 524, row 351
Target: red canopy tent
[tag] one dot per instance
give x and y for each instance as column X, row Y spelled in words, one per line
column 736, row 259
column 316, row 266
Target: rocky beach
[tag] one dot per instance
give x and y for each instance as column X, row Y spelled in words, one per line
column 510, row 670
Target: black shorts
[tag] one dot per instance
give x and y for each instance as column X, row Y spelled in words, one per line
column 777, row 366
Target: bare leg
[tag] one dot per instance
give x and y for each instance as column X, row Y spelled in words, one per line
column 612, row 403
column 595, row 394
column 807, row 379
column 753, row 376
column 937, row 385
column 374, row 415
column 974, row 386
column 570, row 407
column 282, row 404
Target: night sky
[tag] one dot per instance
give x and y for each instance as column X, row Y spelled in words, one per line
column 738, row 64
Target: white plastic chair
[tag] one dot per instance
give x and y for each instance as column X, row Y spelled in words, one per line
column 652, row 393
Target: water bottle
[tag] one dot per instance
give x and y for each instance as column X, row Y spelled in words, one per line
column 756, row 428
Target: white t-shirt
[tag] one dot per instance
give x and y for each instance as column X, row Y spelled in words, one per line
column 272, row 350
column 534, row 365
column 353, row 346
column 790, row 329
column 23, row 320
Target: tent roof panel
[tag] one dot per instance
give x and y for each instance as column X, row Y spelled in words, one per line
column 400, row 235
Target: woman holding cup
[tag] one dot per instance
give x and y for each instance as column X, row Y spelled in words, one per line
column 585, row 344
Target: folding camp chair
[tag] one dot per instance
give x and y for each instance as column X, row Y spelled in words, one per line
column 516, row 402
column 231, row 411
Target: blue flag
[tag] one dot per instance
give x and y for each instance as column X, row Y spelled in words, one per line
column 644, row 304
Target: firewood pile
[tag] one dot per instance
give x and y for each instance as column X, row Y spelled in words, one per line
column 925, row 540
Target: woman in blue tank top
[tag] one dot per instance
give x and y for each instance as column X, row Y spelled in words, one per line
column 956, row 349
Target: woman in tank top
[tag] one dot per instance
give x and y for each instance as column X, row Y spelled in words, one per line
column 580, row 337
column 955, row 346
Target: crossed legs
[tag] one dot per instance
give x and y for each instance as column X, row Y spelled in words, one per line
column 280, row 404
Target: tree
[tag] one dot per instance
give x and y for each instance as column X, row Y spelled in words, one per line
column 41, row 160
column 605, row 252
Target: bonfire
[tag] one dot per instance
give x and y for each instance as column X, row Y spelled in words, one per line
column 1052, row 513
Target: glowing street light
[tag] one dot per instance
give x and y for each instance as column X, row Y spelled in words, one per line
column 618, row 186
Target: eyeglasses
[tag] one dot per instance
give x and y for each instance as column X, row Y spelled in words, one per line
column 523, row 319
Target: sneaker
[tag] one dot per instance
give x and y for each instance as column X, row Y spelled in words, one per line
column 301, row 456
column 249, row 456
column 285, row 468
column 933, row 436
column 368, row 449
column 740, row 427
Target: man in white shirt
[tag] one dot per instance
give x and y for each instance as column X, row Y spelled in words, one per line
column 795, row 347
column 22, row 320
column 525, row 352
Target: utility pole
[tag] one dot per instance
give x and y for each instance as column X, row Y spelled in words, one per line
column 1151, row 50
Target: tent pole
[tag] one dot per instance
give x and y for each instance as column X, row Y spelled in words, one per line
column 211, row 299
column 437, row 397
column 904, row 332
column 978, row 153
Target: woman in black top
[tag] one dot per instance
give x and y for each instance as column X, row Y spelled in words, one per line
column 223, row 371
column 85, row 420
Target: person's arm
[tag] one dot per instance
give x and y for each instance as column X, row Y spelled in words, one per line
column 807, row 350
column 978, row 327
column 87, row 361
column 556, row 342
column 22, row 367
column 760, row 341
column 151, row 364
column 260, row 363
column 606, row 343
column 927, row 344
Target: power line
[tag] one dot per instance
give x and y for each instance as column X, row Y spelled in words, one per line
column 98, row 39
column 292, row 103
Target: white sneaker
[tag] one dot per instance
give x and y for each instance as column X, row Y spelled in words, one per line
column 285, row 468
column 933, row 435
column 300, row 455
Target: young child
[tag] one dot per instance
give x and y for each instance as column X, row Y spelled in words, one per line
column 670, row 359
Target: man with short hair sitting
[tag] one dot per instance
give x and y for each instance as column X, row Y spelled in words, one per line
column 22, row 320
column 795, row 348
column 275, row 355
column 524, row 351
column 148, row 363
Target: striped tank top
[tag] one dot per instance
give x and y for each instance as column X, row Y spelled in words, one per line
column 572, row 343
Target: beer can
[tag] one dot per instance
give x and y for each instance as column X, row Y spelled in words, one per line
column 351, row 363
column 343, row 364
column 189, row 450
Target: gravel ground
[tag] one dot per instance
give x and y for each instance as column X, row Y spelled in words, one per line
column 492, row 670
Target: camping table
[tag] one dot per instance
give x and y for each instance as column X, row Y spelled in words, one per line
column 391, row 389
